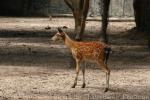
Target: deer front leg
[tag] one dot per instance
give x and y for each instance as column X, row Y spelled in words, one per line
column 77, row 72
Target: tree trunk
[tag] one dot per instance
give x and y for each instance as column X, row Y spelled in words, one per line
column 79, row 9
column 105, row 15
column 142, row 15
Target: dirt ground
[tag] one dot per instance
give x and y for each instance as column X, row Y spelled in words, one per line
column 34, row 68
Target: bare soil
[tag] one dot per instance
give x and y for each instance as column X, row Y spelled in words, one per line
column 34, row 68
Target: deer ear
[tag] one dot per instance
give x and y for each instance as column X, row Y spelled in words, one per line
column 60, row 30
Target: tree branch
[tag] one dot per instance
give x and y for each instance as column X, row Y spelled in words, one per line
column 69, row 3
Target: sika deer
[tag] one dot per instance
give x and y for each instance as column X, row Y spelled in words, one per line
column 95, row 51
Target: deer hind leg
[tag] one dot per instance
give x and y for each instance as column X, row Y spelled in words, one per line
column 77, row 72
column 107, row 71
column 83, row 71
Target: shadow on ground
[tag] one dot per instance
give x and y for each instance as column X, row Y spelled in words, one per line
column 40, row 51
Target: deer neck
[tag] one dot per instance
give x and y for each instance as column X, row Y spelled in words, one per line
column 68, row 41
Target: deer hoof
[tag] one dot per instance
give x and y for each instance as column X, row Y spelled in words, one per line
column 106, row 90
column 83, row 86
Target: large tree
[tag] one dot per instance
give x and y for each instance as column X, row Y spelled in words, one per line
column 142, row 15
column 79, row 9
column 105, row 15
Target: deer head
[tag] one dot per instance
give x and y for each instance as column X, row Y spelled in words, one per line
column 60, row 35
